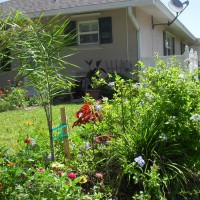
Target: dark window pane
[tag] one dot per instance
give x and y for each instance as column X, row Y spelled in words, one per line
column 89, row 38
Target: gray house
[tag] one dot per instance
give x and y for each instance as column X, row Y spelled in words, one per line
column 117, row 32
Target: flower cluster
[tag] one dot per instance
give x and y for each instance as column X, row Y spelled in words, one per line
column 88, row 113
column 195, row 117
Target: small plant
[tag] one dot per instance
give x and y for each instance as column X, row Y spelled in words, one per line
column 37, row 46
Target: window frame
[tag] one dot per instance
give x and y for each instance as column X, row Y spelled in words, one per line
column 170, row 49
column 87, row 33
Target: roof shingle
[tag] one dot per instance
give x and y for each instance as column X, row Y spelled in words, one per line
column 33, row 6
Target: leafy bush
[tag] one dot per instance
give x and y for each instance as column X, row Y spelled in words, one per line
column 14, row 98
column 157, row 120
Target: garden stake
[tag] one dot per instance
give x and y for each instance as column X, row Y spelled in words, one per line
column 65, row 131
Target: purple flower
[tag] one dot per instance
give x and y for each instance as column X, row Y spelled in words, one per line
column 97, row 107
column 33, row 143
column 140, row 161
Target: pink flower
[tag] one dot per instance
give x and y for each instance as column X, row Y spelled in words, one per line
column 72, row 175
column 99, row 175
column 41, row 170
column 59, row 173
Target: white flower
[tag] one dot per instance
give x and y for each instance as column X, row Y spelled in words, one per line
column 173, row 117
column 195, row 117
column 181, row 76
column 57, row 165
column 105, row 99
column 111, row 84
column 137, row 85
column 150, row 96
column 141, row 103
column 87, row 145
column 163, row 136
column 73, row 144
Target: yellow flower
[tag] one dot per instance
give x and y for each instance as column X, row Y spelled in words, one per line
column 15, row 144
column 83, row 180
column 1, row 186
column 28, row 122
column 10, row 164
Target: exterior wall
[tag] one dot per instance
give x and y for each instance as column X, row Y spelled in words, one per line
column 152, row 39
column 123, row 48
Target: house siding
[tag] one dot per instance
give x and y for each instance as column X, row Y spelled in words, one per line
column 152, row 39
column 123, row 47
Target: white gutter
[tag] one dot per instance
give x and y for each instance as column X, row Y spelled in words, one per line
column 136, row 25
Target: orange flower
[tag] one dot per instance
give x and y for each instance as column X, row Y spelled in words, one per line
column 8, row 81
column 1, row 186
column 18, row 84
column 10, row 164
column 1, row 92
column 7, row 91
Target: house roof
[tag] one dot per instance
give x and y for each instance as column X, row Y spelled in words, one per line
column 51, row 7
column 38, row 6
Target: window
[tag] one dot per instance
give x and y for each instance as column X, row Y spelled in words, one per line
column 91, row 32
column 88, row 32
column 168, row 44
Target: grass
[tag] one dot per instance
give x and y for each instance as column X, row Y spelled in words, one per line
column 20, row 123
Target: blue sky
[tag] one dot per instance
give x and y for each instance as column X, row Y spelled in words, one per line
column 190, row 17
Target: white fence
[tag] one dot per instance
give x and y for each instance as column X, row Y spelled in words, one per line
column 188, row 59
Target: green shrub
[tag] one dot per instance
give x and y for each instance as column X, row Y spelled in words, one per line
column 14, row 98
column 159, row 120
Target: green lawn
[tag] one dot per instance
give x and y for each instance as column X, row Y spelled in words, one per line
column 19, row 123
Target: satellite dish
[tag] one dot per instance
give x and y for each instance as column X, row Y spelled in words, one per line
column 177, row 6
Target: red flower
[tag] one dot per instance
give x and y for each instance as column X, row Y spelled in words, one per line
column 86, row 114
column 72, row 175
column 59, row 173
column 27, row 140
